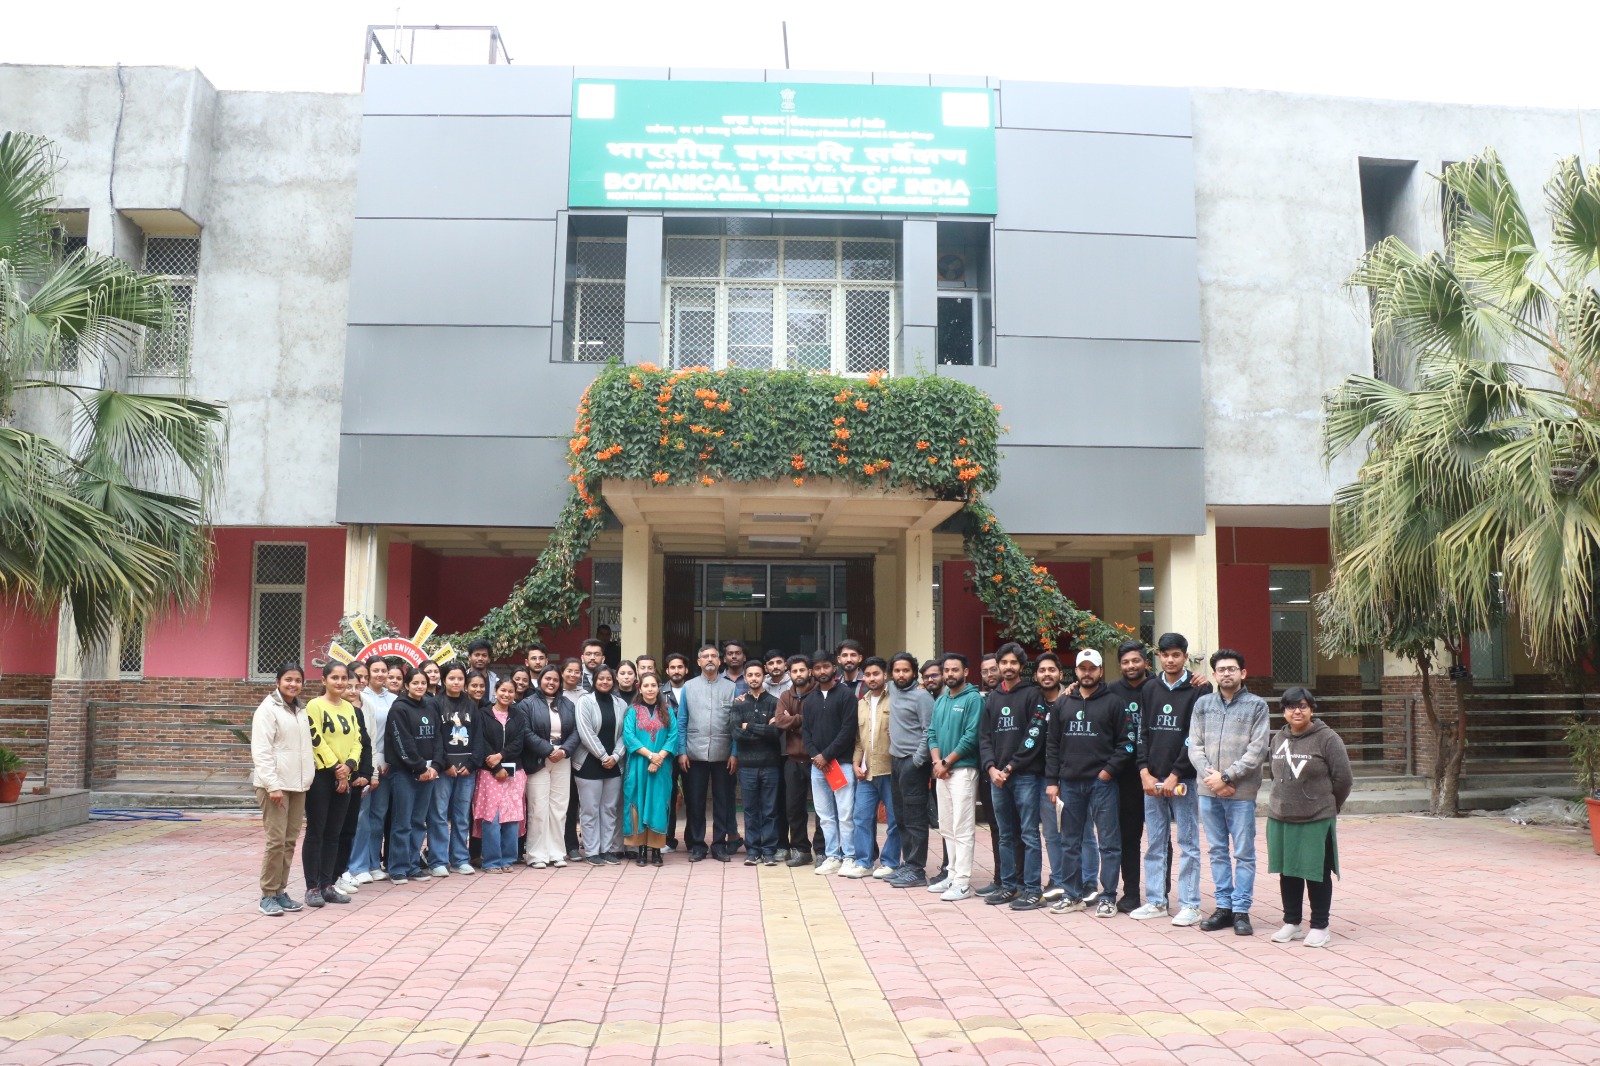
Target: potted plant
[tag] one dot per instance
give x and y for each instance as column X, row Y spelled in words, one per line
column 11, row 775
column 1583, row 744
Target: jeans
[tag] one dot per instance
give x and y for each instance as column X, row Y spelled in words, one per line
column 759, row 786
column 835, row 812
column 1231, row 821
column 701, row 778
column 908, row 784
column 796, row 810
column 1016, row 812
column 408, row 823
column 369, row 834
column 870, row 791
column 1160, row 813
column 450, row 826
column 1052, row 840
column 1091, row 801
column 1091, row 855
column 499, row 844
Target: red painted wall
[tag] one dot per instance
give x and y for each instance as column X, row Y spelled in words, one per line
column 964, row 613
column 216, row 642
column 27, row 640
column 456, row 591
column 1261, row 545
column 398, row 607
column 1244, row 614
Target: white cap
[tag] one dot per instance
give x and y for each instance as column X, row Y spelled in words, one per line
column 1089, row 655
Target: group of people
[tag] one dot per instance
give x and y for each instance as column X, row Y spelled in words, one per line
column 398, row 770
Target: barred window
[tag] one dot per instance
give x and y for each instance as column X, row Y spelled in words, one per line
column 1290, row 595
column 167, row 351
column 594, row 299
column 71, row 244
column 130, row 657
column 277, row 608
column 781, row 303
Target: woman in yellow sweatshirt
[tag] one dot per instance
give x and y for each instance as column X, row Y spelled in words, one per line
column 336, row 748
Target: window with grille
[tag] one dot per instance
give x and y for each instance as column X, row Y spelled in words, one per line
column 130, row 657
column 596, row 276
column 1147, row 605
column 277, row 607
column 781, row 303
column 1290, row 595
column 1486, row 648
column 166, row 351
column 71, row 244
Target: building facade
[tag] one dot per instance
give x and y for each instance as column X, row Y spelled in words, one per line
column 402, row 294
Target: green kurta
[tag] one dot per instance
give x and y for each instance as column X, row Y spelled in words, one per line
column 1297, row 849
column 646, row 796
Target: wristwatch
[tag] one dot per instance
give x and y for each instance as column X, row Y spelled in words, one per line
column 1226, row 780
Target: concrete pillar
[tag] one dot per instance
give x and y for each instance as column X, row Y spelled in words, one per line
column 916, row 581
column 1186, row 588
column 919, row 306
column 888, row 618
column 641, row 593
column 641, row 304
column 366, row 570
column 1119, row 590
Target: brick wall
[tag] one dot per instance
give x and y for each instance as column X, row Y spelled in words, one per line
column 21, row 727
column 150, row 742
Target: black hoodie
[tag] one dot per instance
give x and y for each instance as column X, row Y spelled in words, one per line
column 1003, row 730
column 458, row 729
column 1164, row 727
column 1085, row 738
column 413, row 739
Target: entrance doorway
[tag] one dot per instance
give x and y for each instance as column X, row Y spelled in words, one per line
column 792, row 607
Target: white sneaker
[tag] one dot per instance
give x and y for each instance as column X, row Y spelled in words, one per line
column 829, row 865
column 378, row 875
column 363, row 878
column 346, row 885
column 883, row 872
column 1148, row 911
column 957, row 893
column 853, row 869
column 1187, row 916
column 559, row 864
column 440, row 871
column 1317, row 938
column 1288, row 933
column 464, row 868
column 939, row 886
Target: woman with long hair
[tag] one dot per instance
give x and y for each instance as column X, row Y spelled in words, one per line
column 547, row 758
column 521, row 683
column 283, row 769
column 598, row 769
column 650, row 737
column 336, row 730
column 497, row 803
column 627, row 682
column 572, row 688
column 435, row 676
column 450, row 828
column 414, row 748
column 478, row 685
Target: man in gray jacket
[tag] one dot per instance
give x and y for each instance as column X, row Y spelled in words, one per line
column 707, row 761
column 1228, row 737
column 910, row 711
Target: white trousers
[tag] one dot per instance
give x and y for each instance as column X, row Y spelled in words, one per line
column 958, row 808
column 547, row 793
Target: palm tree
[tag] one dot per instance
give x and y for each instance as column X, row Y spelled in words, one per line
column 109, row 518
column 1480, row 491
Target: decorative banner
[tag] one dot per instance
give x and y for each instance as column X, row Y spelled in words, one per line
column 778, row 146
column 411, row 651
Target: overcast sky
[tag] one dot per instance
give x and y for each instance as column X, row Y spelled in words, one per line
column 1465, row 51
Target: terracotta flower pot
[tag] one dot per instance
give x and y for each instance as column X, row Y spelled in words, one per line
column 1594, row 821
column 11, row 786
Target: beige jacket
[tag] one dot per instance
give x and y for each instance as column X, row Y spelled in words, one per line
column 280, row 746
column 878, row 763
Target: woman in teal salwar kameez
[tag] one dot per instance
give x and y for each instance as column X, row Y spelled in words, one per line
column 650, row 737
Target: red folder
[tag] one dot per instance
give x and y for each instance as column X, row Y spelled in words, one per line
column 835, row 776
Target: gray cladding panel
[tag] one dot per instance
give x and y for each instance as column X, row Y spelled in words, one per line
column 444, row 272
column 1094, row 285
column 1095, row 183
column 1091, row 393
column 528, row 473
column 1064, row 490
column 462, row 167
column 430, row 380
column 1042, row 105
column 477, row 90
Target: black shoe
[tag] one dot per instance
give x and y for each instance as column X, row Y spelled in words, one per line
column 722, row 854
column 611, row 858
column 798, row 859
column 641, row 856
column 697, row 854
column 1029, row 901
column 333, row 895
column 770, row 860
column 314, row 897
column 989, row 889
column 655, row 856
column 1000, row 898
column 1219, row 919
column 596, row 860
column 574, row 854
column 751, row 860
column 1127, row 905
column 1241, row 924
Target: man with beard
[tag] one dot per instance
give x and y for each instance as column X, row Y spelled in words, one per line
column 848, row 656
column 910, row 713
column 733, row 659
column 1010, row 740
column 1083, row 755
column 796, row 771
column 1132, row 691
column 828, row 724
column 677, row 667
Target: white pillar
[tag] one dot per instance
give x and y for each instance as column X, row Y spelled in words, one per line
column 916, row 582
column 641, row 593
column 366, row 570
column 1186, row 587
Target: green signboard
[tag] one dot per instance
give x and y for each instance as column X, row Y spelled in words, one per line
column 773, row 146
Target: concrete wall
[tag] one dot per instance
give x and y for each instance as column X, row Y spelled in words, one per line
column 1278, row 207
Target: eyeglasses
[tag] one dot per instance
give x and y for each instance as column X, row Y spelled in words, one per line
column 1225, row 669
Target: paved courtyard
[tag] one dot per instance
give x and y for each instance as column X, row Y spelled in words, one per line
column 138, row 943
